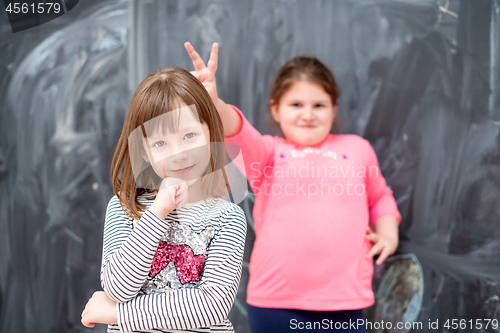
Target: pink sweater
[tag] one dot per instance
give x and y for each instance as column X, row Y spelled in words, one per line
column 312, row 206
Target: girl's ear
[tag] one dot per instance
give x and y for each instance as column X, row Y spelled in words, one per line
column 274, row 111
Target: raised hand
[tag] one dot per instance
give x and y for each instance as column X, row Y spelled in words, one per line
column 205, row 74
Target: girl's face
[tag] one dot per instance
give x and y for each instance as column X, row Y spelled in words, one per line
column 183, row 154
column 305, row 113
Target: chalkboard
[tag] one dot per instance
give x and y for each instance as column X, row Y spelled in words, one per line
column 420, row 80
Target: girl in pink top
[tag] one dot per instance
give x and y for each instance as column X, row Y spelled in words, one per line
column 318, row 196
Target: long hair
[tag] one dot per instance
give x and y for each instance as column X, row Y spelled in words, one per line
column 158, row 93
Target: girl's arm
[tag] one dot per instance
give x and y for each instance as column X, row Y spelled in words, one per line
column 205, row 305
column 384, row 214
column 128, row 250
column 231, row 121
column 258, row 153
column 381, row 202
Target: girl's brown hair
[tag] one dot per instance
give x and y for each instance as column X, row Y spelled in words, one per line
column 160, row 92
column 303, row 68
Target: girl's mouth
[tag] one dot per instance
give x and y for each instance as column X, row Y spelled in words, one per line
column 184, row 170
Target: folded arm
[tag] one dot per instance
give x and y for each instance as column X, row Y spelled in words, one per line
column 128, row 252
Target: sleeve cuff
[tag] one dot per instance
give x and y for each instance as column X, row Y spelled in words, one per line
column 385, row 206
column 376, row 214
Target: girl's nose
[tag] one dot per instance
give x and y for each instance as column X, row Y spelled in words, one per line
column 178, row 155
column 307, row 113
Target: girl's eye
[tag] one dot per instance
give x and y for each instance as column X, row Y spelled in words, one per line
column 296, row 105
column 159, row 144
column 189, row 136
column 319, row 106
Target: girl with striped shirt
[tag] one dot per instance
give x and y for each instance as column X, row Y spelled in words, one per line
column 173, row 247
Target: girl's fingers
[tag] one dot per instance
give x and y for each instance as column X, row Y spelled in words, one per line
column 385, row 253
column 180, row 196
column 214, row 58
column 182, row 190
column 376, row 249
column 172, row 190
column 177, row 188
column 183, row 195
column 85, row 322
column 195, row 57
column 372, row 237
column 180, row 203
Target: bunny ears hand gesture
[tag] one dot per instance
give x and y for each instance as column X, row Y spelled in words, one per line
column 205, row 74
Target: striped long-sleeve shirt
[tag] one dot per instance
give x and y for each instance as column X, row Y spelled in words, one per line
column 177, row 274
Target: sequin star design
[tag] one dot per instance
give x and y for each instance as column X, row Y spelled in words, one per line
column 189, row 267
column 179, row 259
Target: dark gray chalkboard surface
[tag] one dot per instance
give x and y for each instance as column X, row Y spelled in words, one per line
column 420, row 80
